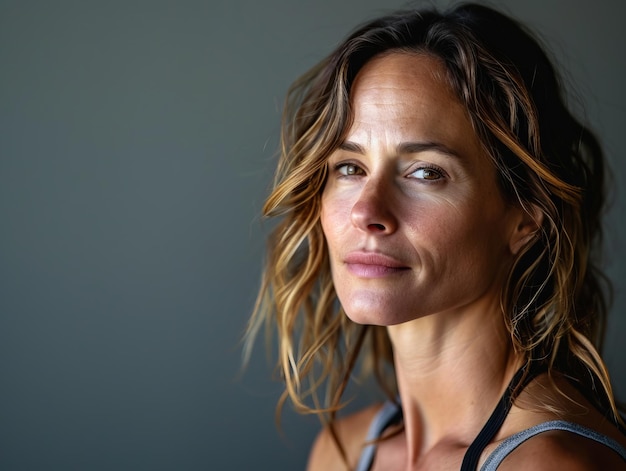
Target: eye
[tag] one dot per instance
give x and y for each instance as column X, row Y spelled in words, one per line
column 349, row 169
column 427, row 173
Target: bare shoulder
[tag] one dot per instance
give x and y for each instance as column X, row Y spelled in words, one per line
column 562, row 450
column 352, row 432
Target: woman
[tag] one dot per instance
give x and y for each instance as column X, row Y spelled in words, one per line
column 433, row 182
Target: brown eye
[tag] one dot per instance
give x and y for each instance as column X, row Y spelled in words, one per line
column 349, row 169
column 426, row 173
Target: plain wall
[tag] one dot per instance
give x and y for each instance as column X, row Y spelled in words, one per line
column 137, row 142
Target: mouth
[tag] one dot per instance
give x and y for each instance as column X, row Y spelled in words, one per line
column 373, row 265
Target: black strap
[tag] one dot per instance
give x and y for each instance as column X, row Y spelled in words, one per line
column 519, row 382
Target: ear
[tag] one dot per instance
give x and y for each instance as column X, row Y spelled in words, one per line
column 527, row 225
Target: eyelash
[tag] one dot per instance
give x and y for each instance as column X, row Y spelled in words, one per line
column 342, row 165
column 428, row 168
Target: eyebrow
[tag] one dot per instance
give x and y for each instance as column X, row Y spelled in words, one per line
column 404, row 148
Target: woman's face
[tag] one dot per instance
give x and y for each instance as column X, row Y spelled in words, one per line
column 411, row 211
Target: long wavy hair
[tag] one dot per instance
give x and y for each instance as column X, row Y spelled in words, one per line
column 554, row 304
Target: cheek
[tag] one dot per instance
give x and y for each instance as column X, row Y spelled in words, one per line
column 335, row 218
column 433, row 219
column 453, row 232
column 326, row 219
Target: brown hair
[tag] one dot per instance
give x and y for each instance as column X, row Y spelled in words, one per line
column 554, row 304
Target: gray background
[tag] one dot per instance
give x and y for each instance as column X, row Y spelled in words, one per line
column 137, row 141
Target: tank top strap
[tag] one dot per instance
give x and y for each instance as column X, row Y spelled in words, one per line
column 511, row 443
column 519, row 381
column 390, row 413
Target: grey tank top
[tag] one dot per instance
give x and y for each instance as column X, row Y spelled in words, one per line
column 391, row 413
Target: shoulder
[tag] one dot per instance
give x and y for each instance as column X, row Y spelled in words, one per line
column 351, row 431
column 557, row 449
column 547, row 400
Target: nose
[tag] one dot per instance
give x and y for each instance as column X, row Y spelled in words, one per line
column 373, row 211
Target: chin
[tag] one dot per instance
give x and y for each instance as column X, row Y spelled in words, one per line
column 370, row 315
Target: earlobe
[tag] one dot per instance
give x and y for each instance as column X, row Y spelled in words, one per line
column 528, row 226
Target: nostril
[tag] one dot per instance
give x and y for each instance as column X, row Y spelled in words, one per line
column 377, row 227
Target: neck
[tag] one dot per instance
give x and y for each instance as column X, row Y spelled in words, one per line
column 451, row 369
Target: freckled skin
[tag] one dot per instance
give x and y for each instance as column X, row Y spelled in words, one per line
column 435, row 207
column 420, row 240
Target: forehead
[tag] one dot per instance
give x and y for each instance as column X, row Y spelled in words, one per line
column 406, row 95
column 403, row 71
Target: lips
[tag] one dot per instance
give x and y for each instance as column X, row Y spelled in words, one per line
column 373, row 265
